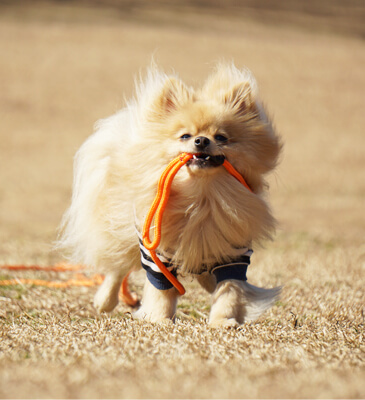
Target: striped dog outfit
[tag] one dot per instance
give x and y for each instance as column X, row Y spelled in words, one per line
column 235, row 269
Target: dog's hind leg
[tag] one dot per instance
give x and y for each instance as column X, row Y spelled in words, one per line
column 106, row 298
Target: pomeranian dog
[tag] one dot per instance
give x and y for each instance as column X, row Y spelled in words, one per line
column 211, row 222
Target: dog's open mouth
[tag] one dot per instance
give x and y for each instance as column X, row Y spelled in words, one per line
column 203, row 160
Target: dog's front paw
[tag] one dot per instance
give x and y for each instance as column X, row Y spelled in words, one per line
column 228, row 304
column 157, row 305
column 149, row 315
column 224, row 323
column 234, row 302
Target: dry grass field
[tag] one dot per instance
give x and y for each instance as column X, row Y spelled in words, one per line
column 65, row 65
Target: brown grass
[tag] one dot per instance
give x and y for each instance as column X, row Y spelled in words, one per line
column 61, row 69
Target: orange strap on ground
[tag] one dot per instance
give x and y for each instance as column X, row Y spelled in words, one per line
column 60, row 267
column 79, row 279
column 159, row 205
column 95, row 280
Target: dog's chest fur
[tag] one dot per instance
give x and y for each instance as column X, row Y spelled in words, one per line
column 206, row 222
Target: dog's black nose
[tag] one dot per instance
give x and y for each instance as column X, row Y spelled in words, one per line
column 201, row 142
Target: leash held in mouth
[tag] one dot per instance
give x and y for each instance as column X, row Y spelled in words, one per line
column 159, row 205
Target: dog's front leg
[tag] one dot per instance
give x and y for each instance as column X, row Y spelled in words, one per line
column 228, row 304
column 157, row 305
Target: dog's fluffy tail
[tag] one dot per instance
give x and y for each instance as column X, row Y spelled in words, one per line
column 259, row 300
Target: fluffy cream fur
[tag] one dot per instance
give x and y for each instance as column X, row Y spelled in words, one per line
column 209, row 214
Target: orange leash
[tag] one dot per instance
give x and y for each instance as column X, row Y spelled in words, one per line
column 159, row 205
column 79, row 279
column 160, row 202
column 157, row 209
column 229, row 167
column 156, row 212
column 60, row 267
column 125, row 295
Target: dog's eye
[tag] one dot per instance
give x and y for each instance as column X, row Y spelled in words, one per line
column 185, row 136
column 221, row 138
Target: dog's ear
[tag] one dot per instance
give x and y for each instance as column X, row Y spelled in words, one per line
column 172, row 96
column 239, row 98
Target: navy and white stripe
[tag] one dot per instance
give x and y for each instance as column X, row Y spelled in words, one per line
column 154, row 274
column 147, row 261
column 235, row 269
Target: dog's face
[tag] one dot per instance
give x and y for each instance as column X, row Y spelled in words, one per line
column 214, row 124
column 198, row 130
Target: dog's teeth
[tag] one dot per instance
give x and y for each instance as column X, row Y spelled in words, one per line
column 207, row 158
column 195, row 157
